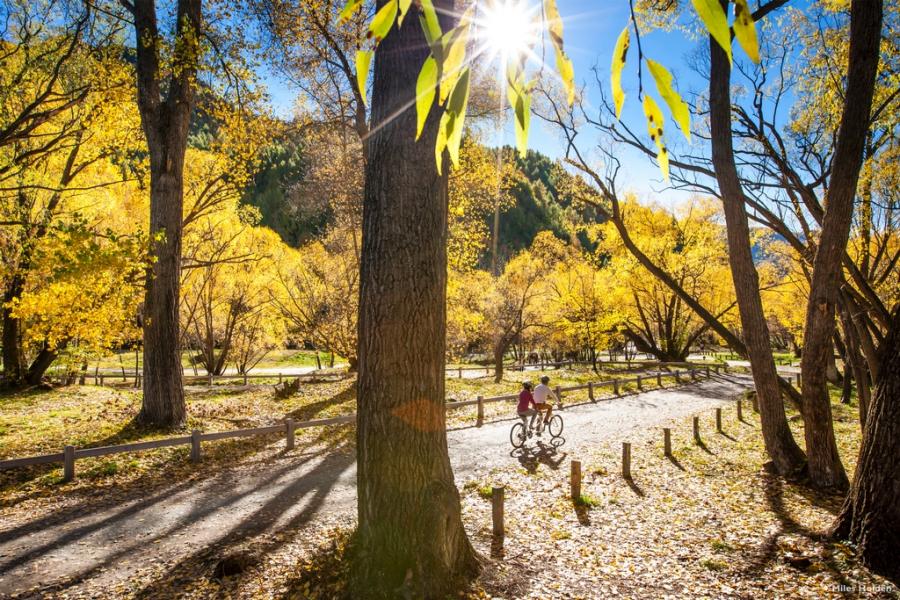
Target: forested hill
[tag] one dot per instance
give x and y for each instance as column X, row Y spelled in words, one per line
column 278, row 191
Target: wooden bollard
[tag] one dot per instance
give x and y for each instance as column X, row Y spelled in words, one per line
column 626, row 460
column 616, row 387
column 693, row 373
column 677, row 376
column 740, row 411
column 245, row 379
column 460, row 372
column 68, row 463
column 576, row 479
column 667, row 441
column 195, row 446
column 558, row 397
column 591, row 391
column 209, row 379
column 279, row 378
column 289, row 427
column 640, row 385
column 719, row 420
column 697, row 429
column 480, row 419
column 658, row 379
column 497, row 511
column 707, row 372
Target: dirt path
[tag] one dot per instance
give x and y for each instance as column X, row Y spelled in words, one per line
column 102, row 545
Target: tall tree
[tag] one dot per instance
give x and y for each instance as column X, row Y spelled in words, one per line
column 870, row 517
column 166, row 93
column 410, row 539
column 825, row 468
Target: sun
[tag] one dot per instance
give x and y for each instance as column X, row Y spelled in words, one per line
column 508, row 29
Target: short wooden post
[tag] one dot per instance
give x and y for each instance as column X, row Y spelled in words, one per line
column 667, row 441
column 68, row 463
column 740, row 411
column 576, row 479
column 480, row 419
column 719, row 420
column 289, row 427
column 591, row 391
column 558, row 397
column 697, row 430
column 616, row 387
column 101, row 381
column 707, row 372
column 209, row 379
column 658, row 379
column 460, row 372
column 640, row 384
column 693, row 373
column 626, row 460
column 497, row 511
column 195, row 446
column 677, row 376
column 245, row 379
column 279, row 378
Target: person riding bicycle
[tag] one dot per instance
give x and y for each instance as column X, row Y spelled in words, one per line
column 541, row 393
column 526, row 406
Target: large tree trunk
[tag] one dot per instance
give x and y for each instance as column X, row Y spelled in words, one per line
column 825, row 468
column 411, row 540
column 499, row 352
column 786, row 455
column 13, row 361
column 870, row 517
column 165, row 108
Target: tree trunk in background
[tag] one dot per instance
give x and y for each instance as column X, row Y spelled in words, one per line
column 786, row 455
column 870, row 517
column 825, row 468
column 13, row 360
column 499, row 352
column 410, row 540
column 165, row 108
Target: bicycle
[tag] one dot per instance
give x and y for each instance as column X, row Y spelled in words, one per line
column 520, row 433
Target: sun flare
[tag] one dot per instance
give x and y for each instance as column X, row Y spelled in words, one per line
column 508, row 29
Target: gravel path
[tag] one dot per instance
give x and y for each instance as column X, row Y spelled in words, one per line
column 105, row 544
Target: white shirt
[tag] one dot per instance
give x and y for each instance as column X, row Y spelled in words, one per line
column 541, row 392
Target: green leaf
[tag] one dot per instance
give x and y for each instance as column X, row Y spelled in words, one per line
column 563, row 64
column 425, row 91
column 382, row 22
column 454, row 44
column 716, row 22
column 441, row 142
column 655, row 129
column 745, row 30
column 363, row 60
column 429, row 21
column 459, row 99
column 348, row 10
column 677, row 106
column 403, row 8
column 618, row 63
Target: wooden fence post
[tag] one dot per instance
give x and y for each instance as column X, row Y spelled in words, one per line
column 719, row 420
column 209, row 379
column 497, row 511
column 576, row 480
column 245, row 379
column 693, row 373
column 289, row 427
column 68, row 463
column 658, row 379
column 667, row 441
column 101, row 381
column 677, row 376
column 626, row 460
column 707, row 372
column 697, row 430
column 480, row 419
column 640, row 385
column 740, row 411
column 558, row 397
column 279, row 378
column 616, row 387
column 591, row 391
column 195, row 446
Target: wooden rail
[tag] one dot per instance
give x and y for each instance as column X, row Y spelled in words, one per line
column 70, row 454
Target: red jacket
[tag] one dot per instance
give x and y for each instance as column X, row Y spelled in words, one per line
column 526, row 400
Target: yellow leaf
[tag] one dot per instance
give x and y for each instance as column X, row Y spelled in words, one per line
column 745, row 30
column 453, row 52
column 441, row 142
column 348, row 10
column 655, row 129
column 618, row 63
column 716, row 22
column 679, row 107
column 563, row 64
column 425, row 90
column 363, row 60
column 403, row 8
column 429, row 21
column 459, row 99
column 382, row 21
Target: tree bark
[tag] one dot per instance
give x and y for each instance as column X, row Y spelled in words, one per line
column 786, row 455
column 165, row 117
column 825, row 467
column 870, row 517
column 499, row 352
column 410, row 539
column 13, row 361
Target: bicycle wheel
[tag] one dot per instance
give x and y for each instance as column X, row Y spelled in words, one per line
column 556, row 425
column 517, row 435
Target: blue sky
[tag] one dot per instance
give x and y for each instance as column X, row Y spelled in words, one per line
column 591, row 29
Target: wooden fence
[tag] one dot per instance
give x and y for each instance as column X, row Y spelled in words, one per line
column 70, row 453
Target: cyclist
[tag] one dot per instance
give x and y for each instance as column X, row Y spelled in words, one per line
column 526, row 406
column 541, row 393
